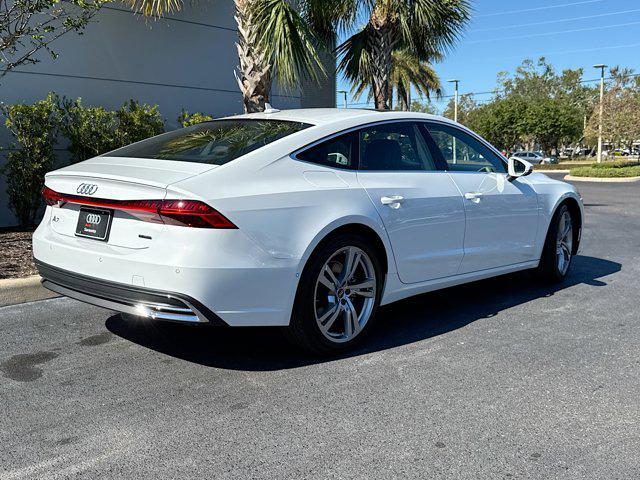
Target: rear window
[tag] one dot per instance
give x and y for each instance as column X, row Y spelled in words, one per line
column 216, row 142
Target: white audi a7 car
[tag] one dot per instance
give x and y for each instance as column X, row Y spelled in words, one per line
column 309, row 219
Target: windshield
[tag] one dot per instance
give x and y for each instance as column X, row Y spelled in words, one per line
column 215, row 143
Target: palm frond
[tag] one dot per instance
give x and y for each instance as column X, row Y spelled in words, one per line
column 284, row 36
column 154, row 8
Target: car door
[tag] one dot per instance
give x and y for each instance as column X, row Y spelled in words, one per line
column 501, row 214
column 420, row 205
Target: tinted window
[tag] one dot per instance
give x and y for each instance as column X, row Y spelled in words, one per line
column 337, row 152
column 462, row 152
column 394, row 146
column 216, row 142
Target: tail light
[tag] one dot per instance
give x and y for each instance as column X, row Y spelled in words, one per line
column 187, row 213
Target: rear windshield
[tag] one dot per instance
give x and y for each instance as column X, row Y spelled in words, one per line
column 216, row 142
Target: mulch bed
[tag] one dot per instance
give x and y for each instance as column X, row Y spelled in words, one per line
column 16, row 259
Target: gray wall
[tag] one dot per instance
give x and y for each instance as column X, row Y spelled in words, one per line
column 184, row 61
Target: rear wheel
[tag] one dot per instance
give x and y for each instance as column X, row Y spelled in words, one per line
column 558, row 248
column 338, row 296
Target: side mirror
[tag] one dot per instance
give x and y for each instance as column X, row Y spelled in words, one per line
column 518, row 168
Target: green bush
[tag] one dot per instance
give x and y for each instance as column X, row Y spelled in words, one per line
column 608, row 170
column 35, row 128
column 91, row 131
column 136, row 122
column 187, row 119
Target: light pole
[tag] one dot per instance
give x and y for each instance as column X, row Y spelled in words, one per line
column 601, row 67
column 344, row 92
column 455, row 81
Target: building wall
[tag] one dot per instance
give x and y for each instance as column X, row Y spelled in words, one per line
column 186, row 60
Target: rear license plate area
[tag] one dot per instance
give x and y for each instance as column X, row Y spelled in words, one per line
column 94, row 223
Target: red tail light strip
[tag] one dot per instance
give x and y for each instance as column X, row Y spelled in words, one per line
column 188, row 213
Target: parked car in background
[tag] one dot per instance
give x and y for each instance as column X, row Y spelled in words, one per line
column 621, row 152
column 535, row 158
column 306, row 219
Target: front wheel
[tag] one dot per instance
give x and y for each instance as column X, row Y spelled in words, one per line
column 558, row 248
column 338, row 296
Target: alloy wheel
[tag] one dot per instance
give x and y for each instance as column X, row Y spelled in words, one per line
column 564, row 242
column 345, row 294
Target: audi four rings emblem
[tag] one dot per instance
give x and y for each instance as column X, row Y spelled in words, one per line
column 93, row 218
column 87, row 188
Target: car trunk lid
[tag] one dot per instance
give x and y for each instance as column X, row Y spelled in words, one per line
column 117, row 179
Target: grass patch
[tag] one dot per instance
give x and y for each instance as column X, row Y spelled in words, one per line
column 552, row 166
column 608, row 170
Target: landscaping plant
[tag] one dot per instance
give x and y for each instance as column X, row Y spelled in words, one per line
column 136, row 122
column 91, row 131
column 187, row 119
column 35, row 128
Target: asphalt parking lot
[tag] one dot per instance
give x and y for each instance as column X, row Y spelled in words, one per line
column 503, row 378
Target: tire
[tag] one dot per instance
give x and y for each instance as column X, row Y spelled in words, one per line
column 317, row 304
column 558, row 250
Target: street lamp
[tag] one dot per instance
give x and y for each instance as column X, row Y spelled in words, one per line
column 455, row 98
column 601, row 66
column 344, row 92
column 455, row 81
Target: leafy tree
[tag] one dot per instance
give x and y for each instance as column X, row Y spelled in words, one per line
column 30, row 26
column 422, row 29
column 534, row 106
column 621, row 110
column 498, row 121
column 466, row 105
column 552, row 105
column 423, row 107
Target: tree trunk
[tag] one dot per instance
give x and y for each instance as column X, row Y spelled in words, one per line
column 382, row 43
column 254, row 75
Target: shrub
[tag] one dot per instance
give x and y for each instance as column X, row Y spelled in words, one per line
column 610, row 170
column 187, row 119
column 91, row 131
column 136, row 122
column 35, row 128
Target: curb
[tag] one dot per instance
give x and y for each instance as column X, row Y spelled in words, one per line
column 603, row 180
column 20, row 290
column 551, row 171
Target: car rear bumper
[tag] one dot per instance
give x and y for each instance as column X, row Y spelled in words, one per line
column 220, row 271
column 126, row 298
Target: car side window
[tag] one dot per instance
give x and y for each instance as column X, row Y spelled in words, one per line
column 462, row 152
column 337, row 152
column 396, row 146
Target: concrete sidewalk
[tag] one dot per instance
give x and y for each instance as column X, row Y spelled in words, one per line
column 20, row 290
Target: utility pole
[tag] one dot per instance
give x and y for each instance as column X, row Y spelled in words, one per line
column 601, row 67
column 455, row 81
column 344, row 92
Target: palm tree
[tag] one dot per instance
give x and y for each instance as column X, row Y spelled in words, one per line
column 274, row 41
column 407, row 71
column 422, row 29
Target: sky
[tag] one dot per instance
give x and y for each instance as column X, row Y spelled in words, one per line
column 569, row 33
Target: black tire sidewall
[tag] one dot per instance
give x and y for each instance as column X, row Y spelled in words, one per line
column 303, row 323
column 549, row 261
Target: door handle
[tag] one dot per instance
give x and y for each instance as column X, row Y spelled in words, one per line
column 393, row 201
column 474, row 197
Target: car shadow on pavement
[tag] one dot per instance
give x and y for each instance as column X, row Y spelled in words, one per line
column 401, row 323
